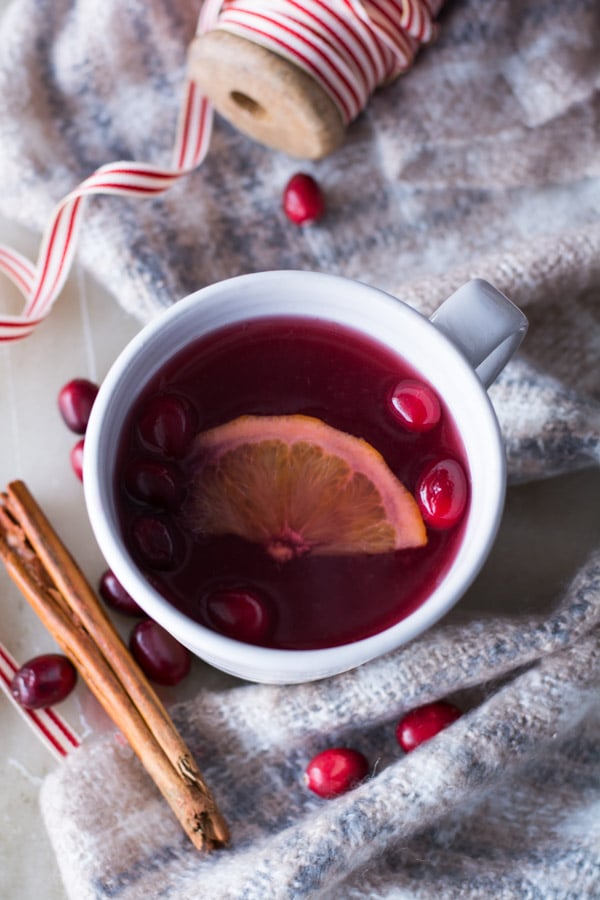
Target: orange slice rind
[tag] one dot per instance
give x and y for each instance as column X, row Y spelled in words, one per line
column 296, row 485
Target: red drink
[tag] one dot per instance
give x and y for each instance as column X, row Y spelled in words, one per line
column 281, row 366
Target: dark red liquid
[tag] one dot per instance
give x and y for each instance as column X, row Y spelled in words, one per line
column 277, row 366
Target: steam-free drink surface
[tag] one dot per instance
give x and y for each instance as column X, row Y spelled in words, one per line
column 279, row 366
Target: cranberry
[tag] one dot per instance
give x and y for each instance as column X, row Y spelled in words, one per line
column 75, row 401
column 424, row 722
column 238, row 613
column 114, row 595
column 335, row 771
column 76, row 457
column 415, row 405
column 159, row 654
column 167, row 424
column 154, row 482
column 303, row 200
column 44, row 681
column 442, row 493
column 155, row 542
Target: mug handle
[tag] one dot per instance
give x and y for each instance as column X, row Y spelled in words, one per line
column 485, row 325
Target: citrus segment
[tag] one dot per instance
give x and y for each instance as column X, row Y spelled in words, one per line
column 296, row 485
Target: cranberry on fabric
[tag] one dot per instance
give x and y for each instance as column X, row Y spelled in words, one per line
column 335, row 771
column 424, row 722
column 43, row 681
column 75, row 401
column 303, row 200
column 160, row 656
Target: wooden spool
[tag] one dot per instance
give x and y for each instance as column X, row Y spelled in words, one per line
column 265, row 96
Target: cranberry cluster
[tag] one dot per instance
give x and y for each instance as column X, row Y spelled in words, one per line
column 75, row 401
column 49, row 679
column 442, row 489
column 162, row 658
column 339, row 769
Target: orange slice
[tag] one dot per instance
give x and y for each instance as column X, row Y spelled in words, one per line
column 297, row 486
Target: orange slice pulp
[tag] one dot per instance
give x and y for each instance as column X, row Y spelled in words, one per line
column 296, row 485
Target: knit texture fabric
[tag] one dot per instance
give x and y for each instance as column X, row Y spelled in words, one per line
column 481, row 161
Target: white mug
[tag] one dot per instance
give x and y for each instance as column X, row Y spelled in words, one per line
column 459, row 351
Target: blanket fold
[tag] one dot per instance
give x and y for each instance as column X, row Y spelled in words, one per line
column 530, row 694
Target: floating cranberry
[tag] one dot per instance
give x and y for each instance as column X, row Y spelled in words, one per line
column 335, row 771
column 442, row 493
column 76, row 457
column 424, row 722
column 75, row 401
column 303, row 200
column 154, row 482
column 161, row 657
column 415, row 405
column 155, row 542
column 114, row 595
column 239, row 613
column 167, row 424
column 44, row 681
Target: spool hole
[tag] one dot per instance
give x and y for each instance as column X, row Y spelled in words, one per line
column 247, row 104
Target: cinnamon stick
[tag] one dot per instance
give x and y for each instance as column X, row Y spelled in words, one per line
column 52, row 582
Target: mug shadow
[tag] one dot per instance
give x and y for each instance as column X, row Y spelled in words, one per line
column 548, row 529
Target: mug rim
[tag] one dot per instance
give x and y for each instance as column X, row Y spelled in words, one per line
column 253, row 662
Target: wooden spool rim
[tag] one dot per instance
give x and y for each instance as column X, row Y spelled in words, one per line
column 265, row 96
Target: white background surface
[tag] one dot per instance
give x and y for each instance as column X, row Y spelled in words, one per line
column 547, row 530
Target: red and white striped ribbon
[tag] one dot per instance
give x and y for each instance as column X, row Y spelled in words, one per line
column 50, row 727
column 349, row 46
